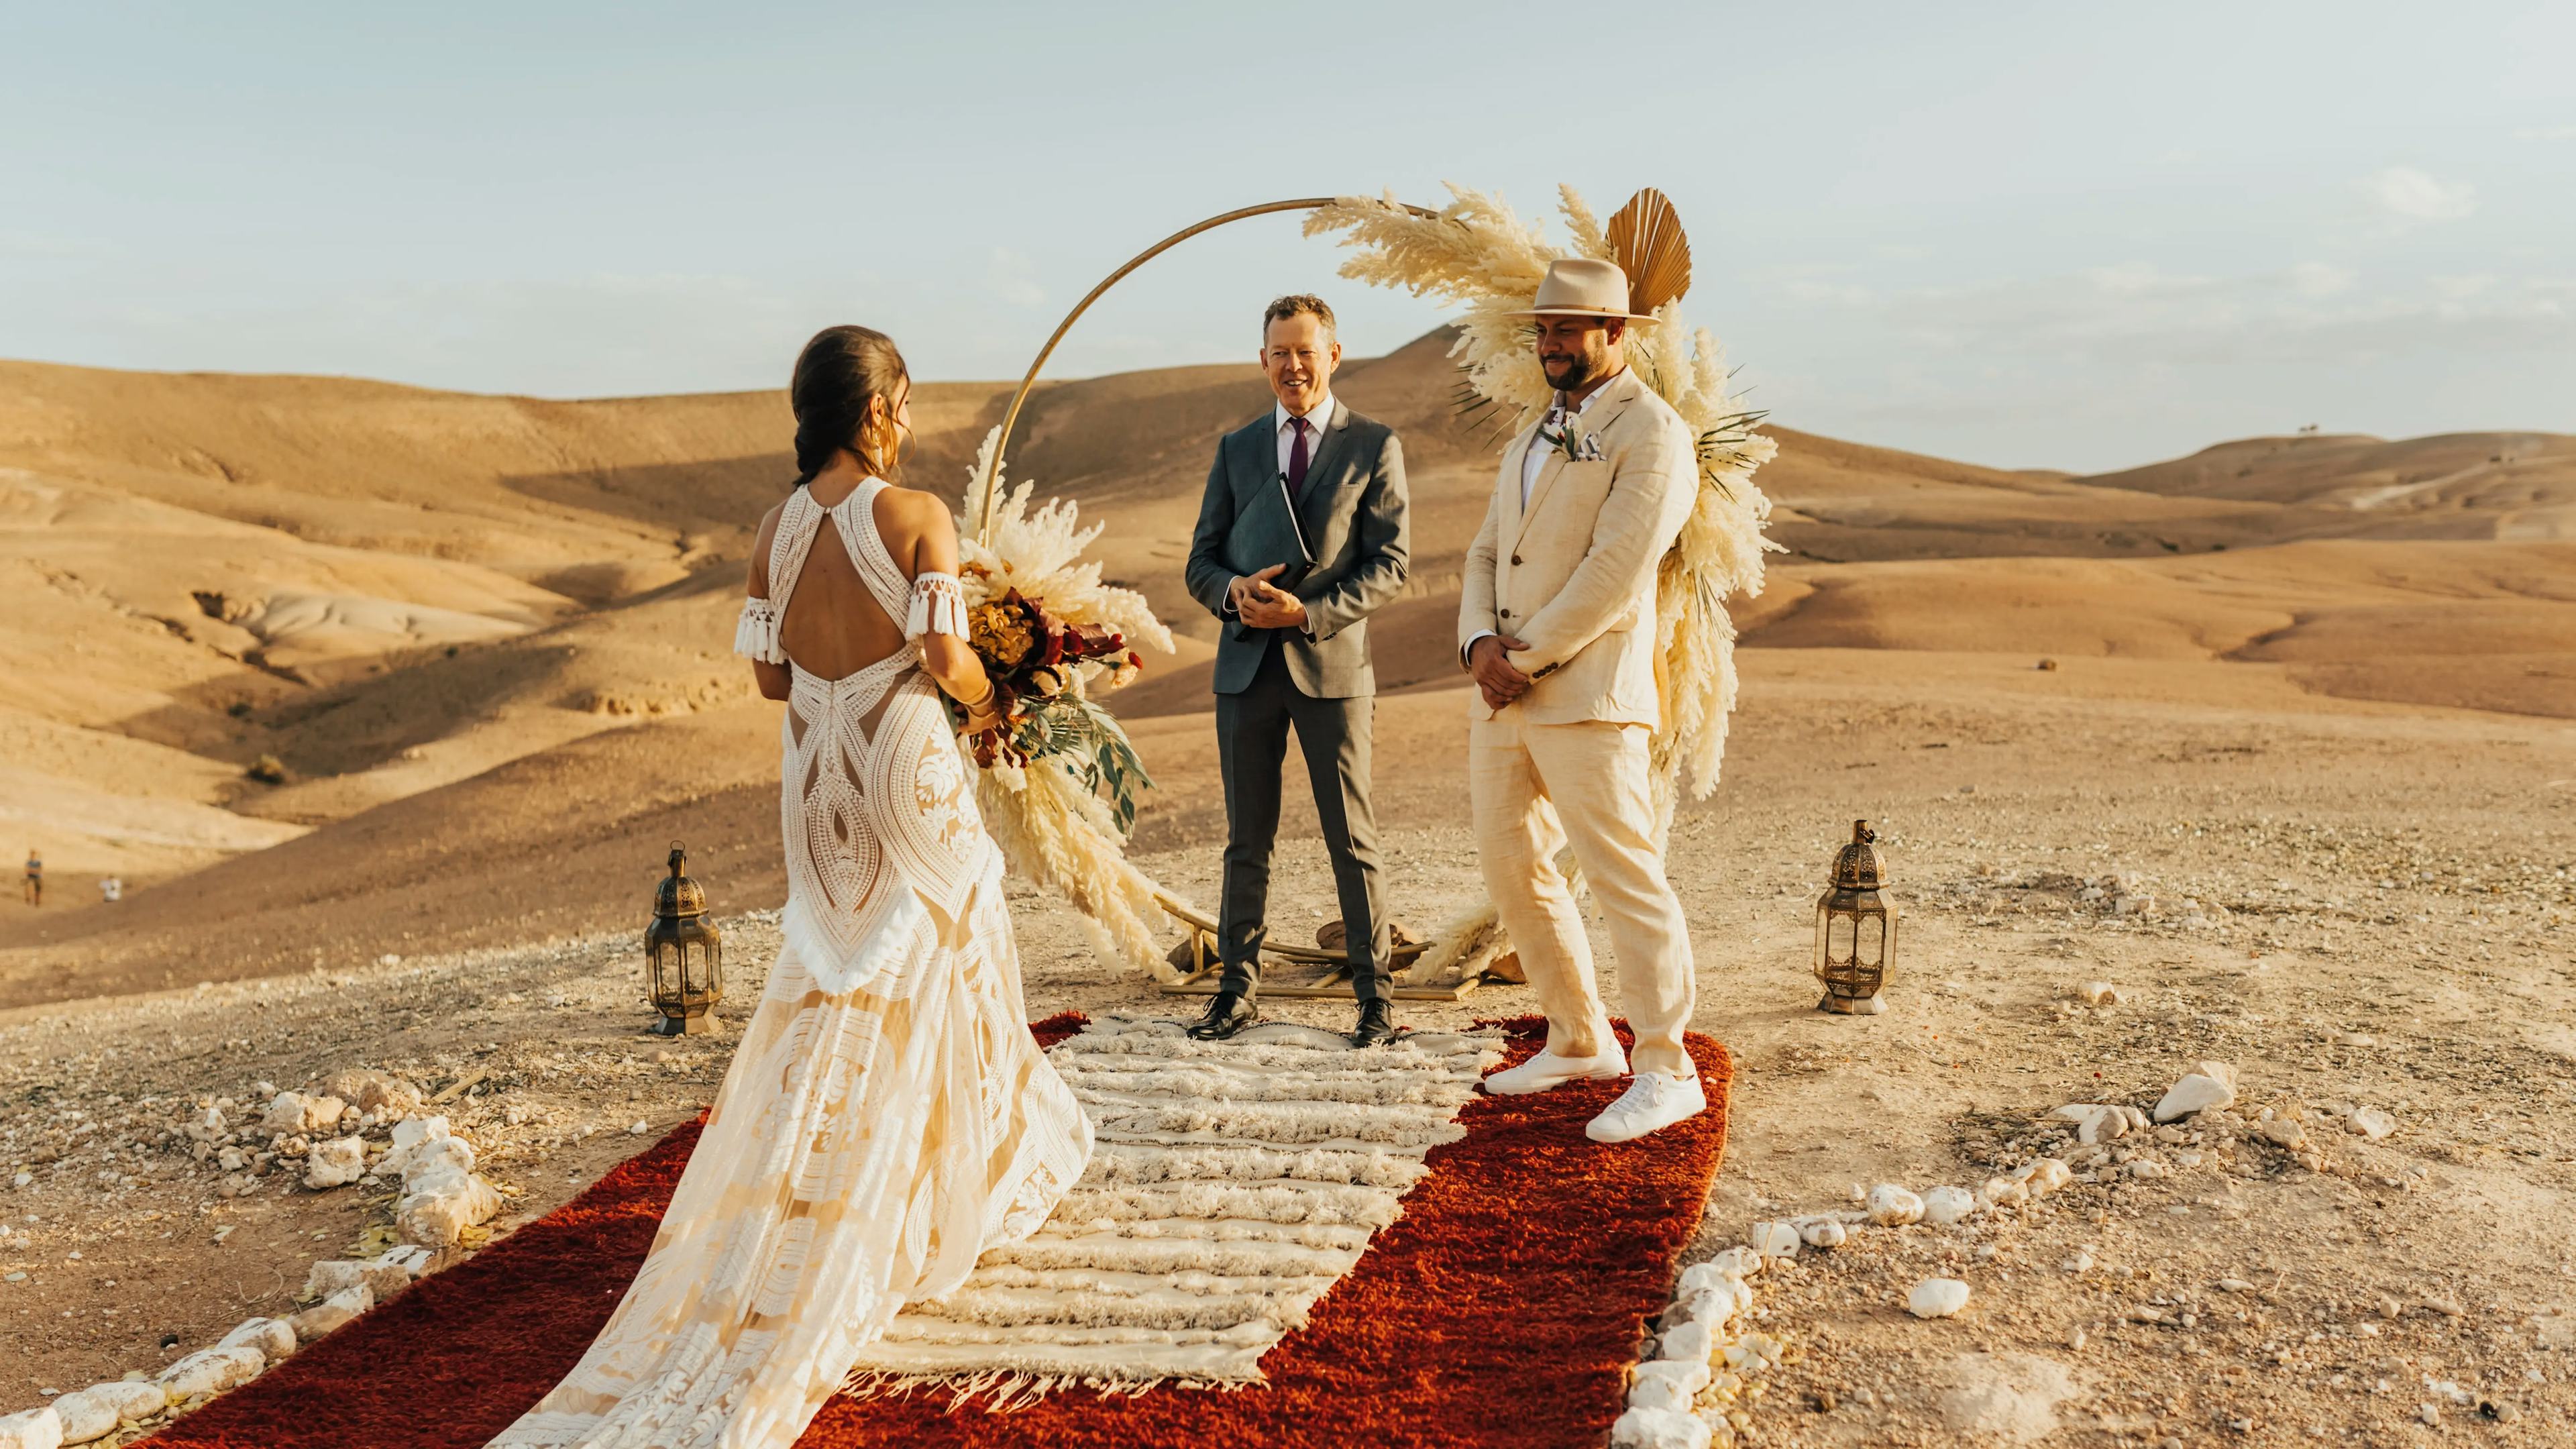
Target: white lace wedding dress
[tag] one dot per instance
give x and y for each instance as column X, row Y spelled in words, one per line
column 887, row 1116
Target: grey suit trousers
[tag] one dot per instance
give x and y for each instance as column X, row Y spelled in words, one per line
column 1252, row 744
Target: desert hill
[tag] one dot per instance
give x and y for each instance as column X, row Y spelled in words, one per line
column 483, row 639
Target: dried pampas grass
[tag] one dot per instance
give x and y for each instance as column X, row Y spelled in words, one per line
column 1478, row 254
column 1053, row 826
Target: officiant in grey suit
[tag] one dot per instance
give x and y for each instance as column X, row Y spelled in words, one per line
column 1301, row 537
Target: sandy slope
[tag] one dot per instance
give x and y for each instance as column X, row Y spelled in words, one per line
column 2359, row 931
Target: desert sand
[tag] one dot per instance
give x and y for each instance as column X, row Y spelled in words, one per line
column 385, row 704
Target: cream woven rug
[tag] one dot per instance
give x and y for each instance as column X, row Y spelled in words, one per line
column 1232, row 1184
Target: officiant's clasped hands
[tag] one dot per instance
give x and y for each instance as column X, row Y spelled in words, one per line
column 1260, row 602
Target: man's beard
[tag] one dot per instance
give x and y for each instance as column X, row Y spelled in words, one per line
column 1578, row 371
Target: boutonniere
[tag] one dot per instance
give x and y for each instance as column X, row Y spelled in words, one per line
column 1577, row 447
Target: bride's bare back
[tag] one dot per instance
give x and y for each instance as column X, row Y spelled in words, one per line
column 833, row 627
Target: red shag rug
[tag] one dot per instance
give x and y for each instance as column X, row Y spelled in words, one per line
column 1502, row 1309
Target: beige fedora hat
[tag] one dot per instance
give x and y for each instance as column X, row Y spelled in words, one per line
column 1582, row 287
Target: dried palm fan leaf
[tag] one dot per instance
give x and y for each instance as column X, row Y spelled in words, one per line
column 1646, row 240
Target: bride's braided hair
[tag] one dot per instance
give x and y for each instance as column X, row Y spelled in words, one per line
column 836, row 376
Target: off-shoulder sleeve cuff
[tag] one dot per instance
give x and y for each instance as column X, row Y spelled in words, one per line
column 755, row 635
column 938, row 607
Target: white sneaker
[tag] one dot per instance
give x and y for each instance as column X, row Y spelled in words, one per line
column 1652, row 1102
column 1547, row 1069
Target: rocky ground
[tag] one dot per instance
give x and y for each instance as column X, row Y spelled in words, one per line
column 2352, row 906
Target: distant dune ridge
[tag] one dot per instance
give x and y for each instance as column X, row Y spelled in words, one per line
column 484, row 637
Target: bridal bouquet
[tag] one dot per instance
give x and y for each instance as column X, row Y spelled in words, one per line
column 1058, row 788
column 1043, row 670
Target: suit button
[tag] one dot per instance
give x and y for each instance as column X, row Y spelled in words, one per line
column 1506, row 613
column 1516, row 558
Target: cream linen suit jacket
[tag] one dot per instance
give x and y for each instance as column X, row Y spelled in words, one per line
column 1572, row 575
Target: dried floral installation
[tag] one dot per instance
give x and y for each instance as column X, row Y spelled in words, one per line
column 1061, row 802
column 1054, row 813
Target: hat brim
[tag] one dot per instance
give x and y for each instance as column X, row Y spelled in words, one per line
column 1580, row 312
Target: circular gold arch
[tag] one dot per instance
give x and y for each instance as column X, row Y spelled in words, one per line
column 1001, row 444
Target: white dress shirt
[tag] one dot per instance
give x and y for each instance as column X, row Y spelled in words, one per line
column 1535, row 459
column 1320, row 418
column 1317, row 418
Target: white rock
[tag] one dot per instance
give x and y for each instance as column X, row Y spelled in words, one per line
column 332, row 1312
column 336, row 1162
column 1738, row 1261
column 1891, row 1206
column 1656, row 1392
column 1717, row 1272
column 1688, row 1343
column 2194, row 1092
column 2146, row 1169
column 2099, row 993
column 414, row 1131
column 211, row 1371
column 2370, row 1122
column 2001, row 1192
column 2094, row 1121
column 1712, row 1306
column 431, row 1159
column 412, row 1258
column 1689, row 1377
column 2137, row 1118
column 2047, row 1175
column 2283, row 1132
column 273, row 1337
column 1823, row 1233
column 132, row 1399
column 86, row 1416
column 1937, row 1298
column 333, row 1275
column 1658, row 1429
column 1774, row 1240
column 298, row 1112
column 423, row 1144
column 1943, row 1206
column 441, row 1207
column 43, row 1429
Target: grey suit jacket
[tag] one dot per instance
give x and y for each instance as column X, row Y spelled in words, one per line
column 1353, row 514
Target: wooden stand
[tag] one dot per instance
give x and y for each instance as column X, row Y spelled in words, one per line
column 1203, row 967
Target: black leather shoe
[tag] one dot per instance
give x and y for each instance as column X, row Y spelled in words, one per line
column 1377, row 1025
column 1229, row 1013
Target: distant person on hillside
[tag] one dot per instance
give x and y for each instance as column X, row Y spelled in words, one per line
column 1301, row 536
column 35, row 879
column 887, row 1117
column 111, row 889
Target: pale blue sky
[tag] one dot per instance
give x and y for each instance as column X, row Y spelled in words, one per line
column 2023, row 234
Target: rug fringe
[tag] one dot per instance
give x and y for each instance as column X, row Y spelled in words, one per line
column 1004, row 1390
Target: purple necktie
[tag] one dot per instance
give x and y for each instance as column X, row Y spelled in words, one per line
column 1297, row 459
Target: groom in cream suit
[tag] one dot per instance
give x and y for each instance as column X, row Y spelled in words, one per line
column 1557, row 624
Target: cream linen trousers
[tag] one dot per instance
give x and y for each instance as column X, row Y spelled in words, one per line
column 1533, row 789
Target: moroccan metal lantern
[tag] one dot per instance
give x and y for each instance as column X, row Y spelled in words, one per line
column 683, row 954
column 1856, row 928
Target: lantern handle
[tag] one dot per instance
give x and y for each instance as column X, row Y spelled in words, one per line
column 1861, row 833
column 679, row 858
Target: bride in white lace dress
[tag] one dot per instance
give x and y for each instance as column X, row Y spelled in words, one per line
column 887, row 1116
